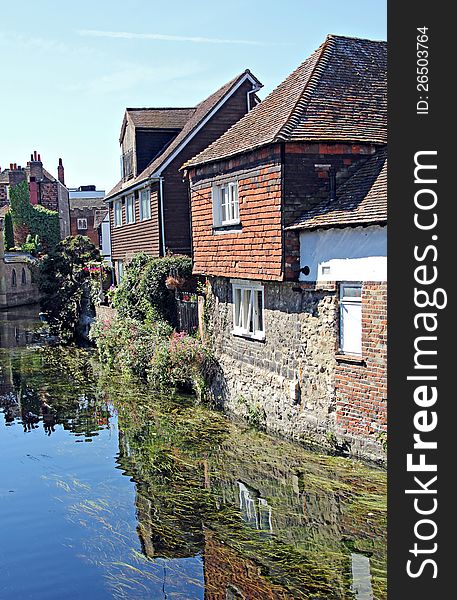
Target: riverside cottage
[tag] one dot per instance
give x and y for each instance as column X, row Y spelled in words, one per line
column 149, row 207
column 289, row 221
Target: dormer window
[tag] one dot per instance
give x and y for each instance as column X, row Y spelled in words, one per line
column 226, row 209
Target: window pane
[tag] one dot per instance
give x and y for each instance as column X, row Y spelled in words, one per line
column 351, row 291
column 259, row 310
column 237, row 302
column 351, row 327
column 223, row 196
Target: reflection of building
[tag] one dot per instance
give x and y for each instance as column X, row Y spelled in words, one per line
column 254, row 509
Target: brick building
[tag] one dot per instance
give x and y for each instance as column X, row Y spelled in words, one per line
column 44, row 188
column 87, row 209
column 149, row 207
column 289, row 225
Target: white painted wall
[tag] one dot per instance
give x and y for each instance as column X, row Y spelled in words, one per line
column 347, row 254
column 106, row 240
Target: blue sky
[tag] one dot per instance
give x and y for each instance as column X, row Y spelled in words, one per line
column 69, row 69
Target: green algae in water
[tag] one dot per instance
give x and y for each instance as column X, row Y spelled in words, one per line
column 276, row 519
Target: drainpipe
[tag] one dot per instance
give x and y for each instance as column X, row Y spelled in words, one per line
column 162, row 215
column 255, row 88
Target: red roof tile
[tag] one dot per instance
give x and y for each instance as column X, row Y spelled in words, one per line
column 338, row 94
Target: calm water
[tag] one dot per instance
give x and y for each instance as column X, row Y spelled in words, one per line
column 108, row 491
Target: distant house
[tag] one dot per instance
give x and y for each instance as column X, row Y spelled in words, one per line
column 102, row 225
column 86, row 202
column 289, row 227
column 44, row 188
column 149, row 207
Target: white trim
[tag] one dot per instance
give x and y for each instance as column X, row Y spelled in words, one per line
column 222, row 101
column 79, row 222
column 129, row 190
column 254, row 287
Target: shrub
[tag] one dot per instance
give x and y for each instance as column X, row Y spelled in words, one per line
column 143, row 293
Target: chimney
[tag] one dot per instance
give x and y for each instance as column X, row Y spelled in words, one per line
column 61, row 172
column 36, row 167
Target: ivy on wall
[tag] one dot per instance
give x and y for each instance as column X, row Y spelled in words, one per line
column 9, row 233
column 33, row 220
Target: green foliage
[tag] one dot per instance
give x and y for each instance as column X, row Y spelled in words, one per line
column 142, row 293
column 8, row 229
column 31, row 245
column 151, row 351
column 36, row 219
column 65, row 280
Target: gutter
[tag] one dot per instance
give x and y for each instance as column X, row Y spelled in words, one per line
column 162, row 220
column 129, row 190
column 255, row 88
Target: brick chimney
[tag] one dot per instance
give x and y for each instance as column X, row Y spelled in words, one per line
column 61, row 172
column 16, row 174
column 36, row 166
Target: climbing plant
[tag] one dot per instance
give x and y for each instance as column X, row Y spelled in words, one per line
column 33, row 219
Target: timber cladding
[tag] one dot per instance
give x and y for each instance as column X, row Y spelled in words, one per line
column 141, row 236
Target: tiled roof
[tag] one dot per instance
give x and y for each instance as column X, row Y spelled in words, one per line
column 99, row 216
column 157, row 118
column 201, row 111
column 338, row 94
column 361, row 200
column 84, row 203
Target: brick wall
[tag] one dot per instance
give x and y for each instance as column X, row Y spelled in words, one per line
column 254, row 251
column 90, row 232
column 361, row 388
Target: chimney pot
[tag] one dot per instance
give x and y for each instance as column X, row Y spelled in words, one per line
column 39, row 158
column 11, row 166
column 34, row 155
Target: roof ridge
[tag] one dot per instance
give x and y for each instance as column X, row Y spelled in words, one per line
column 353, row 37
column 305, row 96
column 160, row 108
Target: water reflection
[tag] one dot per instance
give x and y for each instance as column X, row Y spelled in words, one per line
column 172, row 500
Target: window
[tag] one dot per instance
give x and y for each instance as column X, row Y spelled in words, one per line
column 119, row 265
column 130, row 209
column 24, row 277
column 117, row 208
column 351, row 318
column 145, row 204
column 81, row 224
column 248, row 310
column 13, row 278
column 226, row 209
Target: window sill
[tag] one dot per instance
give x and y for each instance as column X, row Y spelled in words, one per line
column 350, row 358
column 246, row 336
column 234, row 228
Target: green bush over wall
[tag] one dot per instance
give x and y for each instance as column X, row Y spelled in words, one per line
column 37, row 220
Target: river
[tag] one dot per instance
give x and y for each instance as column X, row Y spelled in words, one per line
column 108, row 490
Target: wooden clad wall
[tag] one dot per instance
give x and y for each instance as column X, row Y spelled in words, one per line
column 141, row 236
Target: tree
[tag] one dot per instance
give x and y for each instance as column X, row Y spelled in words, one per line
column 66, row 283
column 9, row 233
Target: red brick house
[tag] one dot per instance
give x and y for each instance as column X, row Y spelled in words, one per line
column 149, row 207
column 299, row 333
column 86, row 202
column 44, row 188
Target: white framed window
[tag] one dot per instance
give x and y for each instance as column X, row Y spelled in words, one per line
column 130, row 209
column 117, row 210
column 351, row 318
column 81, row 224
column 119, row 266
column 145, row 204
column 248, row 309
column 226, row 209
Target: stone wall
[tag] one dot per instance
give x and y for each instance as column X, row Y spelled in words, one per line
column 291, row 382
